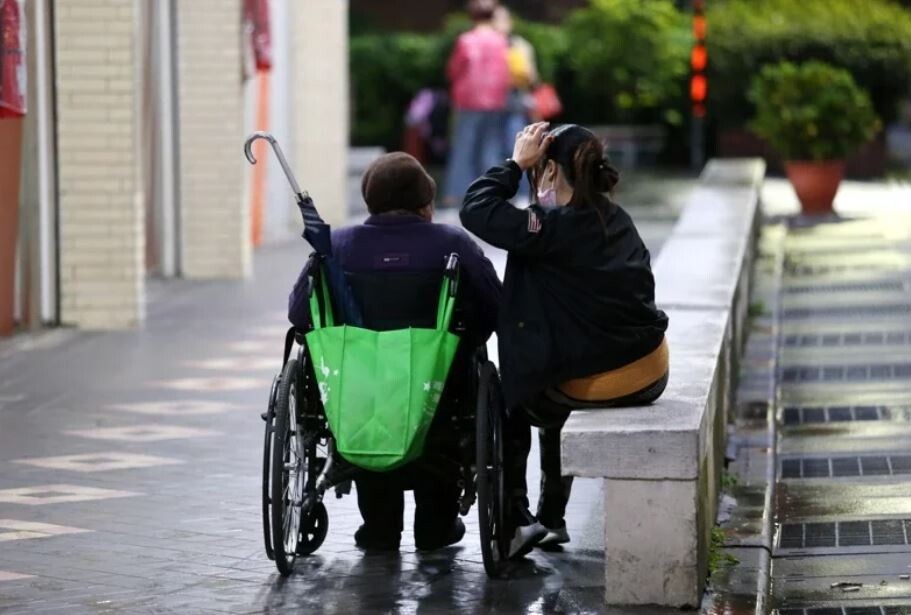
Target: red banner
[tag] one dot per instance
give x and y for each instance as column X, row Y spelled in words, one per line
column 12, row 59
column 256, row 24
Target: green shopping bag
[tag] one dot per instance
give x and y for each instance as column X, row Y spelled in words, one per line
column 380, row 389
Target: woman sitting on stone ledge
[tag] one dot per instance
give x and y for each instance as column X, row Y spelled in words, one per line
column 578, row 327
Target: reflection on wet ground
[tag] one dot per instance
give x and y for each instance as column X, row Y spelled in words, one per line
column 847, row 433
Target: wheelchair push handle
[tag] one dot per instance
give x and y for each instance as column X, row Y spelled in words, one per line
column 452, row 272
column 248, row 152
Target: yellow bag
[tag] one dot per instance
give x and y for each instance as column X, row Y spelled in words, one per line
column 519, row 67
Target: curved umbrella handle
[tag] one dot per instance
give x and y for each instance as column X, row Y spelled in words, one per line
column 248, row 152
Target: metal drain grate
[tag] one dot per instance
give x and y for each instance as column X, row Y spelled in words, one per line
column 848, row 287
column 848, row 310
column 802, row 415
column 808, row 270
column 843, row 467
column 874, row 338
column 844, row 534
column 849, row 610
column 848, row 373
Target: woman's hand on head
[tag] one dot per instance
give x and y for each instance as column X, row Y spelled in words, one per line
column 531, row 145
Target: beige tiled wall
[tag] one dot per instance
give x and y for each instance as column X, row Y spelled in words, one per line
column 101, row 220
column 319, row 113
column 215, row 220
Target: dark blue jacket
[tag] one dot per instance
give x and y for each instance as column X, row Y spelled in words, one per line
column 409, row 243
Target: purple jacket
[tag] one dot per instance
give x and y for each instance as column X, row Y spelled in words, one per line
column 408, row 243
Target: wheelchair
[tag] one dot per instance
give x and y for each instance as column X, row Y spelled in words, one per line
column 300, row 461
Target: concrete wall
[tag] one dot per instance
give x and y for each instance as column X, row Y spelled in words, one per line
column 215, row 219
column 320, row 103
column 101, row 219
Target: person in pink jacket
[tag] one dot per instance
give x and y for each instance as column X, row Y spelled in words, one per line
column 479, row 73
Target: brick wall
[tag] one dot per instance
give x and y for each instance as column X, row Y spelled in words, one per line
column 215, row 221
column 319, row 112
column 101, row 222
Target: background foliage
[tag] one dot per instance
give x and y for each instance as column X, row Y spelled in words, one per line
column 627, row 61
column 615, row 61
column 811, row 111
column 871, row 39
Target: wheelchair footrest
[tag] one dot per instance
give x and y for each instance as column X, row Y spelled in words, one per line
column 343, row 488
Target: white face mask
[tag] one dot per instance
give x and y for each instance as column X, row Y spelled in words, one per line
column 547, row 197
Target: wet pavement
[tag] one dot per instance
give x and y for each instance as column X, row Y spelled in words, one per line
column 843, row 499
column 130, row 468
column 816, row 513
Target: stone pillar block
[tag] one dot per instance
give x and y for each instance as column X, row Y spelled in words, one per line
column 653, row 542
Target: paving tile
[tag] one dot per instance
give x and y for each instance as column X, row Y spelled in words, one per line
column 142, row 433
column 256, row 347
column 176, row 408
column 270, row 363
column 98, row 462
column 15, row 529
column 58, row 494
column 207, row 385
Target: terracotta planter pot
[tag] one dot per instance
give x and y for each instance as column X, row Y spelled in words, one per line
column 816, row 183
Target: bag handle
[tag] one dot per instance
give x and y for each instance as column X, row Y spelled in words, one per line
column 316, row 314
column 445, row 307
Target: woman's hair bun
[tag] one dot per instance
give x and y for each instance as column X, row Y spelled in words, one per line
column 608, row 176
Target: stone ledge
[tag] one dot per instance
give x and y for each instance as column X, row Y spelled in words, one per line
column 698, row 272
column 711, row 213
column 662, row 463
column 734, row 171
column 625, row 442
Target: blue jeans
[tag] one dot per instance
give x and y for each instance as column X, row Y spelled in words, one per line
column 477, row 145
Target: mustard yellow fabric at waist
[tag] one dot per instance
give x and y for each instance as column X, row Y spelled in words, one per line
column 623, row 381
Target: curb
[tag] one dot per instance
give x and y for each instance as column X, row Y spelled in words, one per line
column 748, row 520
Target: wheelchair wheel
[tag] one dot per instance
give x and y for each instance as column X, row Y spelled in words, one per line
column 269, row 418
column 491, row 500
column 287, row 470
column 314, row 527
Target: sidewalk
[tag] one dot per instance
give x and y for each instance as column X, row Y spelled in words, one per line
column 130, row 468
column 841, row 350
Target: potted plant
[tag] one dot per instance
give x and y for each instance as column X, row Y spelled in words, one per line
column 814, row 115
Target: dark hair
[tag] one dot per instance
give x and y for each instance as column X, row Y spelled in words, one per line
column 585, row 164
column 481, row 10
column 397, row 182
column 591, row 174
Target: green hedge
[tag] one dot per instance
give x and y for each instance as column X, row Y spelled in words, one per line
column 386, row 72
column 629, row 61
column 871, row 39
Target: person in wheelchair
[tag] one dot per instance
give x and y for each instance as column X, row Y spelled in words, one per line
column 579, row 327
column 386, row 261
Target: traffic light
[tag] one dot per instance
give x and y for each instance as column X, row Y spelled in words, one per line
column 699, row 59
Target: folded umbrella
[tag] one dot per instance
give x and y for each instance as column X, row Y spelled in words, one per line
column 317, row 233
